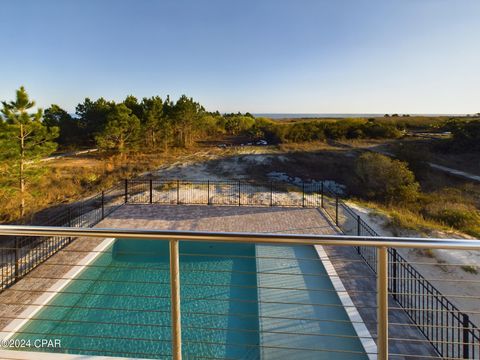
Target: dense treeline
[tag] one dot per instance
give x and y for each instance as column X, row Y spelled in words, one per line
column 152, row 123
column 321, row 130
column 465, row 135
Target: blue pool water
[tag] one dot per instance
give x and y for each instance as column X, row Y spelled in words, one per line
column 120, row 306
column 233, row 305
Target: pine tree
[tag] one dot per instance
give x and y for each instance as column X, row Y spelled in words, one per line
column 121, row 131
column 24, row 139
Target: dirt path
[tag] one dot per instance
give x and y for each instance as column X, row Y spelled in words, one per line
column 379, row 150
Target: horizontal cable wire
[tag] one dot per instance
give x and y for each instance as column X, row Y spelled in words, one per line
column 187, row 284
column 404, row 263
column 150, row 254
column 194, row 342
column 417, row 356
column 451, row 327
column 200, row 328
column 431, row 310
column 192, row 313
column 189, row 326
column 435, row 295
column 204, row 270
column 225, row 300
column 449, row 341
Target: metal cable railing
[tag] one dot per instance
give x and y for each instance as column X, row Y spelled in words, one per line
column 441, row 311
column 216, row 295
column 20, row 255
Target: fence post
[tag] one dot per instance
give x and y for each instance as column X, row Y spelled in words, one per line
column 322, row 196
column 208, row 192
column 271, row 193
column 126, row 191
column 382, row 303
column 303, row 194
column 103, row 205
column 466, row 333
column 359, row 230
column 239, row 195
column 151, row 191
column 175, row 300
column 336, row 210
column 17, row 259
column 178, row 192
column 394, row 274
column 69, row 215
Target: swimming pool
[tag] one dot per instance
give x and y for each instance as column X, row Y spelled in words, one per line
column 120, row 305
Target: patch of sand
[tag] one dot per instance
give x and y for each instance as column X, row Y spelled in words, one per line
column 445, row 269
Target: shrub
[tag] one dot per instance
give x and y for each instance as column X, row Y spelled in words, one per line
column 457, row 218
column 417, row 156
column 386, row 179
column 465, row 135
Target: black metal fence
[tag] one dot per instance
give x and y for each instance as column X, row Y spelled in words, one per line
column 20, row 255
column 449, row 330
column 241, row 193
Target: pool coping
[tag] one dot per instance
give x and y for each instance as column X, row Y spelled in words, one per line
column 358, row 324
column 26, row 315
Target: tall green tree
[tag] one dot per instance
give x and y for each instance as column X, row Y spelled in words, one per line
column 93, row 118
column 121, row 130
column 132, row 103
column 156, row 125
column 70, row 133
column 24, row 139
column 186, row 118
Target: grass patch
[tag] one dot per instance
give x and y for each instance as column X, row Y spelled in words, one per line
column 71, row 179
column 470, row 269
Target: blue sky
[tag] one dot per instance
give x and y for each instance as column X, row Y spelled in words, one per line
column 307, row 56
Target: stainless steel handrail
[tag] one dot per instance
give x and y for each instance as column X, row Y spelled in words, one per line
column 244, row 237
column 382, row 243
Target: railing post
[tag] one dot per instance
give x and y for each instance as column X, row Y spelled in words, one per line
column 103, row 205
column 208, row 192
column 126, row 191
column 336, row 210
column 178, row 192
column 359, row 230
column 151, row 191
column 303, row 194
column 69, row 215
column 394, row 274
column 322, row 196
column 239, row 195
column 17, row 259
column 382, row 303
column 175, row 300
column 466, row 333
column 271, row 193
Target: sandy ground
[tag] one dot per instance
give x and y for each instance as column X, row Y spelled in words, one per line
column 443, row 268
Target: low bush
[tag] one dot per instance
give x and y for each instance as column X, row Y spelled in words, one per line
column 386, row 179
